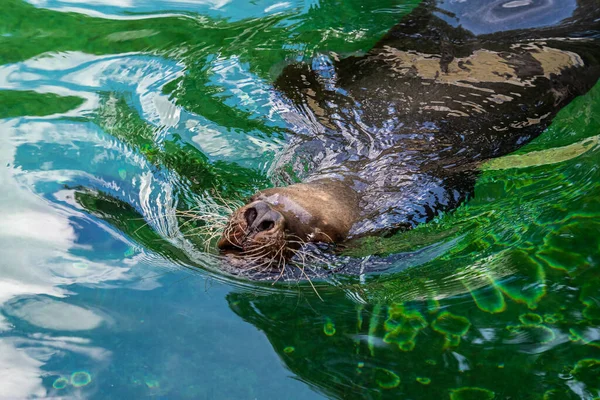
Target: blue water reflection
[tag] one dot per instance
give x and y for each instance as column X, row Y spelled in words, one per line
column 81, row 301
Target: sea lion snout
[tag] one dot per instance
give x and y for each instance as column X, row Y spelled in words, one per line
column 277, row 222
column 256, row 225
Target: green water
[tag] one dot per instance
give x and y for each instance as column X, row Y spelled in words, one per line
column 117, row 117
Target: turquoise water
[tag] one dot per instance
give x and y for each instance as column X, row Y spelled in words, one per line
column 118, row 117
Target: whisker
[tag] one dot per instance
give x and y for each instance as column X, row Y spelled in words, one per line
column 311, row 284
column 323, row 233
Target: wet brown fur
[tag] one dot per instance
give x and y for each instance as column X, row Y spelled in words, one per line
column 320, row 211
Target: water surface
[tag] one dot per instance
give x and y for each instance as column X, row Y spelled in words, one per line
column 117, row 115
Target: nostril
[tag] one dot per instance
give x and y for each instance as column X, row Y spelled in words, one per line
column 266, row 225
column 260, row 217
column 250, row 215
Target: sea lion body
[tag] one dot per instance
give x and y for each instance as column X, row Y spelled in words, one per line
column 404, row 127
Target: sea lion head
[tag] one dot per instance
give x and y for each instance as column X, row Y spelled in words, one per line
column 276, row 222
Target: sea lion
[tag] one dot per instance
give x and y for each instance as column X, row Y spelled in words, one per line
column 277, row 221
column 390, row 139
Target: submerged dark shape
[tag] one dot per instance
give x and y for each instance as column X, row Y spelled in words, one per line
column 378, row 341
column 388, row 140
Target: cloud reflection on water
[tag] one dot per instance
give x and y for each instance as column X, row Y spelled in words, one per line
column 44, row 238
column 19, row 373
column 36, row 243
column 42, row 252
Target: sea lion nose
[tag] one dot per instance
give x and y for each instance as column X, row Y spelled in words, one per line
column 261, row 217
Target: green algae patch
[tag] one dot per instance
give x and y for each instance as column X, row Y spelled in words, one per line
column 81, row 378
column 531, row 288
column 289, row 349
column 532, row 334
column 553, row 318
column 591, row 310
column 559, row 244
column 530, row 319
column 451, row 326
column 576, row 335
column 386, row 379
column 489, row 300
column 589, row 295
column 403, row 326
column 423, row 380
column 329, row 327
column 15, row 103
column 587, row 371
column 60, row 383
column 471, row 393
